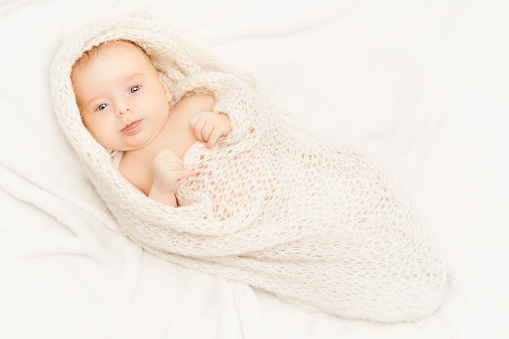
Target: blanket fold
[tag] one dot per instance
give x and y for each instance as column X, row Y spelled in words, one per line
column 321, row 225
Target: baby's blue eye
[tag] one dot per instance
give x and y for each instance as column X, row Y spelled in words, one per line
column 135, row 89
column 101, row 107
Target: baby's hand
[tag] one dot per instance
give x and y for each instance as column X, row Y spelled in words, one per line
column 210, row 126
column 168, row 169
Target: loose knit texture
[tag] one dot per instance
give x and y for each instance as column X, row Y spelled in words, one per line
column 319, row 224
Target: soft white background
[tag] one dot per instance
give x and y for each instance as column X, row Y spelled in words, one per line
column 422, row 84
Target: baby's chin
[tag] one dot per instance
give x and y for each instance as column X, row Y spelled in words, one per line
column 117, row 148
column 134, row 143
column 131, row 148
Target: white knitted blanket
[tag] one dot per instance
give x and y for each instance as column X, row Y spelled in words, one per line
column 319, row 224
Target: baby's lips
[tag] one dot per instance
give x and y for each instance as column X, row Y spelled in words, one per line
column 132, row 128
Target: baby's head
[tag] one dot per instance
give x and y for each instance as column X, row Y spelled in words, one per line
column 121, row 95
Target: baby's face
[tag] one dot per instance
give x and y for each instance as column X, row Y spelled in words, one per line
column 122, row 98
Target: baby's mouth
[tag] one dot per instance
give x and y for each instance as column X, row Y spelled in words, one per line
column 132, row 128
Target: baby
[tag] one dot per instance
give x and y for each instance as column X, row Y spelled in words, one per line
column 272, row 204
column 125, row 105
column 317, row 223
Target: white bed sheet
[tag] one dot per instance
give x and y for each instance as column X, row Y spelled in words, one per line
column 423, row 84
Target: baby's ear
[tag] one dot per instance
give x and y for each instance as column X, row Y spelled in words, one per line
column 167, row 92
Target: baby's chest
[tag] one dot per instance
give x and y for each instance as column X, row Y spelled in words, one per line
column 137, row 166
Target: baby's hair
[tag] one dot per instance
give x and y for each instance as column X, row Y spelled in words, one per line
column 107, row 46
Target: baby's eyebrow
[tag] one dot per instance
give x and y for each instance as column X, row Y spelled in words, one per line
column 134, row 76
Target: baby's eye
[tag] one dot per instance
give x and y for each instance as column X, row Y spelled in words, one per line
column 101, row 107
column 135, row 89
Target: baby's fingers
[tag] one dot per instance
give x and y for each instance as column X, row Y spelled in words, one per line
column 193, row 122
column 214, row 136
column 166, row 158
column 198, row 128
column 182, row 174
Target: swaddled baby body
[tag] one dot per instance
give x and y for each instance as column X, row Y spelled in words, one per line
column 252, row 196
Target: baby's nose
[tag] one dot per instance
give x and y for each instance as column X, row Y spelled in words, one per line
column 123, row 109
